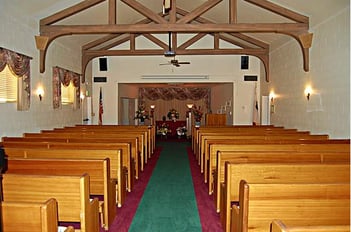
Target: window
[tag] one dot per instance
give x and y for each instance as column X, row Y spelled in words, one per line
column 68, row 93
column 8, row 85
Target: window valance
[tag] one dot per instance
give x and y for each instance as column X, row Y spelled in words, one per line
column 20, row 65
column 64, row 76
column 178, row 93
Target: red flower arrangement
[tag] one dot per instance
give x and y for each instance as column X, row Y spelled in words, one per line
column 197, row 113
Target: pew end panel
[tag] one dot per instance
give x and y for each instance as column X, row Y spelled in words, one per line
column 300, row 204
column 71, row 192
column 279, row 226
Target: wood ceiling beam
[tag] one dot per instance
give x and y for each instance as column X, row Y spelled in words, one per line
column 192, row 40
column 248, row 39
column 198, row 11
column 145, row 11
column 156, row 41
column 173, row 12
column 69, row 11
column 283, row 28
column 280, row 10
column 233, row 11
column 112, row 11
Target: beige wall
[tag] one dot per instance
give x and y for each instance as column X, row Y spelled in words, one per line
column 17, row 34
column 328, row 110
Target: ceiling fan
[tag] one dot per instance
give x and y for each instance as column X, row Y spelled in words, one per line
column 171, row 53
column 175, row 62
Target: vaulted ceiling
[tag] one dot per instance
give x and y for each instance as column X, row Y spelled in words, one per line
column 252, row 27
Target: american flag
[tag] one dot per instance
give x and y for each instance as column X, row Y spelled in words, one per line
column 256, row 112
column 101, row 107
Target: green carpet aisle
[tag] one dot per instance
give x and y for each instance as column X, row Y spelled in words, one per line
column 169, row 203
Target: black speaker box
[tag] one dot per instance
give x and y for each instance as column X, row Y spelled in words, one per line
column 244, row 62
column 103, row 64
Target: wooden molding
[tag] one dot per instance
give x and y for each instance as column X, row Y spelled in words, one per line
column 188, row 22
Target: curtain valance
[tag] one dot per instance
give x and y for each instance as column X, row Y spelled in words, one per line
column 20, row 65
column 64, row 76
column 178, row 93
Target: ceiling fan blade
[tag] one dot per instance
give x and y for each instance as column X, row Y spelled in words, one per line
column 166, row 64
column 184, row 62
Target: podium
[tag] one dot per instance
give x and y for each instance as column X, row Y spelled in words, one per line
column 216, row 119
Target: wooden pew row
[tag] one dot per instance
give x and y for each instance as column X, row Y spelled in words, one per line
column 294, row 146
column 239, row 129
column 30, row 216
column 270, row 157
column 196, row 130
column 279, row 226
column 150, row 128
column 274, row 173
column 236, row 135
column 136, row 140
column 111, row 132
column 72, row 138
column 71, row 192
column 204, row 157
column 307, row 203
column 123, row 148
column 98, row 170
column 117, row 171
column 252, row 131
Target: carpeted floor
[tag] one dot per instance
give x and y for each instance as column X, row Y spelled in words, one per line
column 169, row 203
column 170, row 195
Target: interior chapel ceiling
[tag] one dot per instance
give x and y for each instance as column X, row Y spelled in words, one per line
column 253, row 27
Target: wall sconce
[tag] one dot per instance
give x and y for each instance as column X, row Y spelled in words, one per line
column 190, row 106
column 271, row 98
column 40, row 92
column 308, row 92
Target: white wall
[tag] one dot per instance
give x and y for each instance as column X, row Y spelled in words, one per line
column 17, row 34
column 217, row 68
column 328, row 111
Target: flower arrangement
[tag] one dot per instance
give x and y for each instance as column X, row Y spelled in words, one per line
column 163, row 129
column 197, row 113
column 172, row 114
column 181, row 131
column 141, row 113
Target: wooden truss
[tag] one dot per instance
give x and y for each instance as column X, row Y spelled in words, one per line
column 176, row 21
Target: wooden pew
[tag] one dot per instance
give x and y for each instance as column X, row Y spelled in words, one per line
column 269, row 157
column 274, row 173
column 98, row 170
column 277, row 138
column 117, row 171
column 30, row 216
column 196, row 130
column 297, row 203
column 272, row 145
column 145, row 140
column 276, row 132
column 279, row 226
column 123, row 148
column 73, row 138
column 151, row 129
column 71, row 192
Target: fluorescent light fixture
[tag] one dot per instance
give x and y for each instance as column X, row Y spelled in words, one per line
column 175, row 77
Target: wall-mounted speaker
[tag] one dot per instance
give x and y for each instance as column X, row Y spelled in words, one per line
column 250, row 78
column 244, row 62
column 103, row 64
column 100, row 79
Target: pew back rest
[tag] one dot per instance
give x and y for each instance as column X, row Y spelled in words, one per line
column 71, row 192
column 297, row 203
column 98, row 169
column 282, row 172
column 31, row 216
column 279, row 226
column 267, row 157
